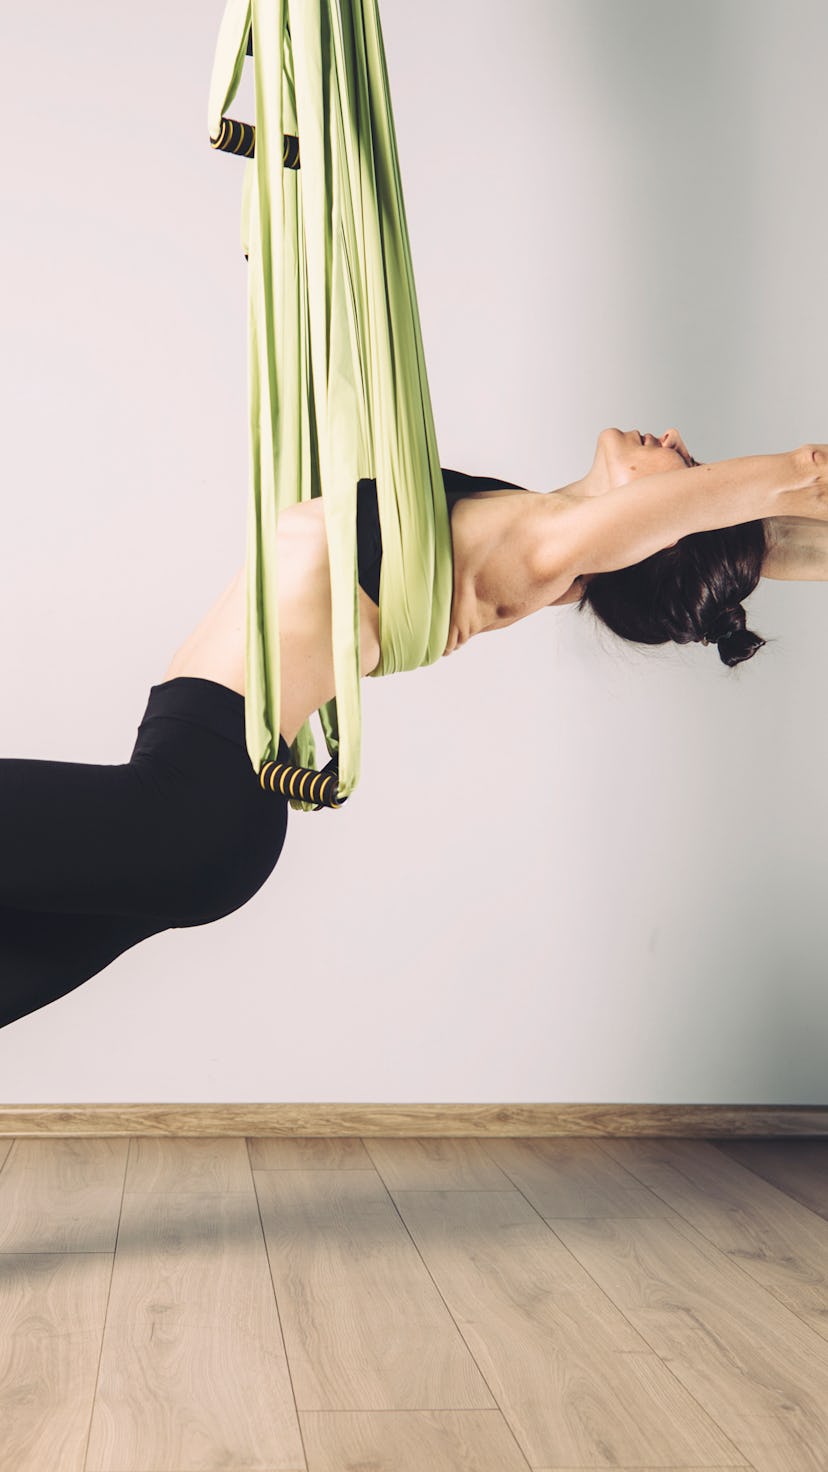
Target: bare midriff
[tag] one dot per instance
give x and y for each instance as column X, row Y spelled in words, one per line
column 216, row 648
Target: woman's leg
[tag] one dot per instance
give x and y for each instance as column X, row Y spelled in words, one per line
column 182, row 831
column 43, row 956
column 87, row 838
column 96, row 857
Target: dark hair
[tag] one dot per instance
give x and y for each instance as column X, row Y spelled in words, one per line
column 687, row 592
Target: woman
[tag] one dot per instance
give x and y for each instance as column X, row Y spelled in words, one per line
column 97, row 857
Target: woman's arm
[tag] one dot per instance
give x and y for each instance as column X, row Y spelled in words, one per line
column 623, row 526
column 797, row 549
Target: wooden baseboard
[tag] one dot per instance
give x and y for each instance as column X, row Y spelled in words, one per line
column 694, row 1120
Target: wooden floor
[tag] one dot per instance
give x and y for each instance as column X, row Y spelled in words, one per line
column 413, row 1305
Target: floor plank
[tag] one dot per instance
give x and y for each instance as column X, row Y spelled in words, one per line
column 193, row 1369
column 577, row 1170
column 572, row 1177
column 365, row 1328
column 62, row 1195
column 411, row 1441
column 52, row 1309
column 310, row 1152
column 759, row 1371
column 773, row 1239
column 576, row 1382
column 200, row 1164
column 798, row 1167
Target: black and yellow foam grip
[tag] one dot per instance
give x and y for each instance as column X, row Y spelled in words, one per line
column 304, row 783
column 240, row 138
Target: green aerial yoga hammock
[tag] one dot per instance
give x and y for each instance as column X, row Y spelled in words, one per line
column 337, row 381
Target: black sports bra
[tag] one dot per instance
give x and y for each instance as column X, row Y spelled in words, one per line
column 369, row 538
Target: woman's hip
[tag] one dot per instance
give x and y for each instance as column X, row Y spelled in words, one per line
column 182, row 832
column 191, row 760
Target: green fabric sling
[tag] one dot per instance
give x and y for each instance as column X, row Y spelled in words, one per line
column 336, row 370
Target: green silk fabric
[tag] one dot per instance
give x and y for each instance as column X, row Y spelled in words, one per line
column 336, row 372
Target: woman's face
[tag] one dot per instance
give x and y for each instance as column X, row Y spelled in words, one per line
column 627, row 455
column 624, row 455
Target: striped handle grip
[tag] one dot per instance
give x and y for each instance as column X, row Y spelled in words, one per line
column 240, row 138
column 304, row 783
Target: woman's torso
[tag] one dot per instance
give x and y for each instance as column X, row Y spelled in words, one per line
column 489, row 530
column 215, row 650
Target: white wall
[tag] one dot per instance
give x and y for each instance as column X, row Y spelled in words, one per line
column 603, row 878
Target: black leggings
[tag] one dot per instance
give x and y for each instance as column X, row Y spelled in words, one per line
column 94, row 858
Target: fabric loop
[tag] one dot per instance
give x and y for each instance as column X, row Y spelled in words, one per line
column 336, row 368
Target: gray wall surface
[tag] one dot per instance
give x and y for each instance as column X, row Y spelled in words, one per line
column 604, row 876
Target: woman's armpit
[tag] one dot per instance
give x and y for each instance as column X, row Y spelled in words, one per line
column 797, row 549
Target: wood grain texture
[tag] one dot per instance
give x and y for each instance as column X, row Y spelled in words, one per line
column 411, row 1441
column 573, row 1178
column 61, row 1195
column 559, row 1359
column 193, row 1371
column 758, row 1370
column 576, row 1382
column 363, row 1120
column 52, row 1310
column 797, row 1167
column 432, row 1441
column 384, row 1304
column 364, row 1325
column 778, row 1242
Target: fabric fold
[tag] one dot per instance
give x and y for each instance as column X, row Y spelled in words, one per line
column 336, row 369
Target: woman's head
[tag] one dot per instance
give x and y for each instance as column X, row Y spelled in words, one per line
column 690, row 591
column 625, row 455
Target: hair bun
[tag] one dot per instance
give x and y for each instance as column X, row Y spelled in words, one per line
column 734, row 641
column 728, row 621
column 740, row 644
